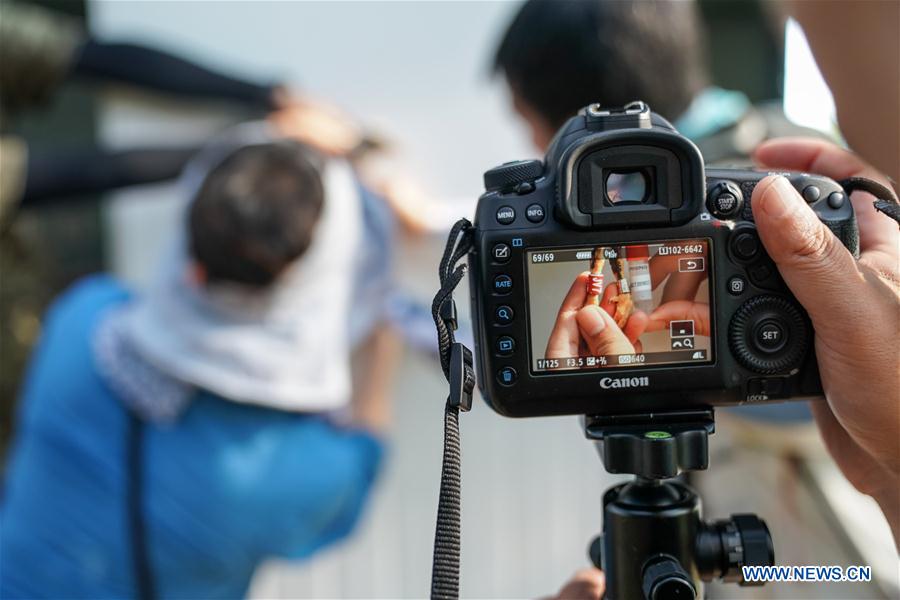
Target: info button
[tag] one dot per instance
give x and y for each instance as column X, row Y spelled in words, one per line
column 535, row 213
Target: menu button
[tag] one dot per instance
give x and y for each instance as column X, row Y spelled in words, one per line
column 506, row 215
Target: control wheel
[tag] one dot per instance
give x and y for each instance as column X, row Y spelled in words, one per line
column 769, row 335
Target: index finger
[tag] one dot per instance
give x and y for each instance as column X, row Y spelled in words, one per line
column 576, row 295
column 876, row 231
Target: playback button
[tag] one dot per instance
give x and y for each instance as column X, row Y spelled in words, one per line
column 506, row 346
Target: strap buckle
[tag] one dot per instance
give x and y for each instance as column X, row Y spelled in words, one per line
column 448, row 313
column 462, row 377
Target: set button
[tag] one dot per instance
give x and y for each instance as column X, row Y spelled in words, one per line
column 770, row 336
column 506, row 215
column 503, row 284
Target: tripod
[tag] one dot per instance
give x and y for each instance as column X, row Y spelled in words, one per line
column 654, row 543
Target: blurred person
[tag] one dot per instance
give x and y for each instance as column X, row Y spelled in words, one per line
column 42, row 50
column 558, row 56
column 169, row 442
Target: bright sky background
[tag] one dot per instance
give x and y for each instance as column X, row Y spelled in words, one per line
column 807, row 100
column 420, row 70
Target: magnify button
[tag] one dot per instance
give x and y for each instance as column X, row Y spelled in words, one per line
column 503, row 315
column 688, row 342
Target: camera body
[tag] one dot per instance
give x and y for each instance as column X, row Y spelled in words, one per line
column 622, row 217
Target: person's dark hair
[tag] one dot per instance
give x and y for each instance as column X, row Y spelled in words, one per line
column 255, row 213
column 559, row 56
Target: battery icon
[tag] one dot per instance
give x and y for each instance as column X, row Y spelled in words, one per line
column 583, row 255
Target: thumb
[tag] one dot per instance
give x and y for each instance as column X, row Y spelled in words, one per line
column 813, row 262
column 601, row 333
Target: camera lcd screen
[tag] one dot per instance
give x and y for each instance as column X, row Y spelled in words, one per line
column 628, row 306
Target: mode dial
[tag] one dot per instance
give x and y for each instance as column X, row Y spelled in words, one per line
column 769, row 335
column 509, row 176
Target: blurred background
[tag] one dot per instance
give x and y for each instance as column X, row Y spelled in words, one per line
column 421, row 73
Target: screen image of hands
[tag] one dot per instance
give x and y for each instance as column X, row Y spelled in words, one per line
column 598, row 322
column 584, row 329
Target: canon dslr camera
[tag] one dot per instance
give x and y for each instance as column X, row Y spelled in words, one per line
column 620, row 276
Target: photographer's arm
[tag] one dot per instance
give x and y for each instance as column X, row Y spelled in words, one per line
column 854, row 307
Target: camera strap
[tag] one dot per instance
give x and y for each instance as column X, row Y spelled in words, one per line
column 885, row 200
column 457, row 364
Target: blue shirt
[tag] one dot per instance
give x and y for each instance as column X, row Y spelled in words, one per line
column 225, row 487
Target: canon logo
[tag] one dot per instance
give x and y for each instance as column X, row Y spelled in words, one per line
column 608, row 383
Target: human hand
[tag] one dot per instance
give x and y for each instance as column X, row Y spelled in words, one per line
column 591, row 330
column 681, row 310
column 314, row 123
column 678, row 285
column 587, row 584
column 854, row 307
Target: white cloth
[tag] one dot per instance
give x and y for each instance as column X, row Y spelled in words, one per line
column 286, row 347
